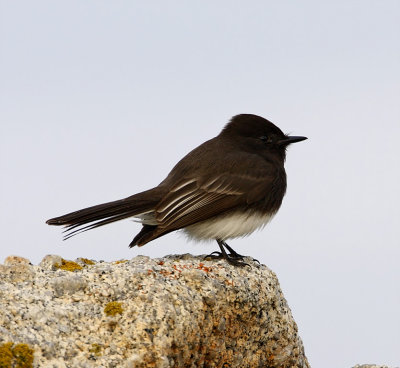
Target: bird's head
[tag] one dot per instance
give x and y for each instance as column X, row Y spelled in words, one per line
column 258, row 135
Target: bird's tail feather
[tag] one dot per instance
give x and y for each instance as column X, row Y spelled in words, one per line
column 102, row 214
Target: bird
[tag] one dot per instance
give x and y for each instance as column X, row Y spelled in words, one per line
column 228, row 187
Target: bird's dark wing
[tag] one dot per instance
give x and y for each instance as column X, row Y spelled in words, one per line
column 194, row 200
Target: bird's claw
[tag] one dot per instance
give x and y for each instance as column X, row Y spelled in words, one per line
column 234, row 260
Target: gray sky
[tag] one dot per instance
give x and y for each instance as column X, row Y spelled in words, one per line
column 99, row 99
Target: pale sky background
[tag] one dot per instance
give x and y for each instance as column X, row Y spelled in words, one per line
column 99, row 99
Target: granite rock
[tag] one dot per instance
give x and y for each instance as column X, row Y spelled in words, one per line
column 176, row 311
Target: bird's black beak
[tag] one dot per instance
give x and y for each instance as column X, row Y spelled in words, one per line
column 291, row 139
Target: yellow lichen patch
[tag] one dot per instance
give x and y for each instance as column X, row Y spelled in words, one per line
column 87, row 261
column 121, row 261
column 18, row 356
column 23, row 355
column 96, row 349
column 6, row 355
column 68, row 265
column 113, row 308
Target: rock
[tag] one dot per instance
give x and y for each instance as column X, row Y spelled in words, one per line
column 68, row 284
column 16, row 269
column 16, row 261
column 177, row 311
column 50, row 261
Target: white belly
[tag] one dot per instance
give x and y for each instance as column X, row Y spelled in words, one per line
column 230, row 226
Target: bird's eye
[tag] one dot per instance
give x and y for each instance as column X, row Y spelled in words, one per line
column 266, row 139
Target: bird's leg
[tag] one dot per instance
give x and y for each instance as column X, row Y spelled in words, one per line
column 233, row 258
column 232, row 252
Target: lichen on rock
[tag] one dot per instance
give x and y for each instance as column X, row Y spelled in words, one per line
column 68, row 265
column 113, row 308
column 15, row 355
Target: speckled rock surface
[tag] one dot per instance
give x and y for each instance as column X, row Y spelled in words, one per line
column 177, row 311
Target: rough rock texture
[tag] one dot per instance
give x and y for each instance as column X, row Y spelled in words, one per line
column 178, row 311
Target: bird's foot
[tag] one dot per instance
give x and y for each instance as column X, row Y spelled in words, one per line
column 234, row 261
column 233, row 253
column 233, row 258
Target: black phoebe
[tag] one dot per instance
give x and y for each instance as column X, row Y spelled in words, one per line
column 226, row 188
